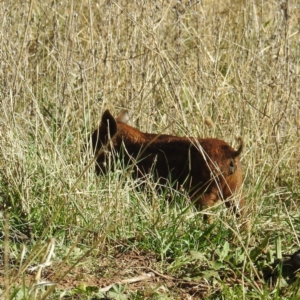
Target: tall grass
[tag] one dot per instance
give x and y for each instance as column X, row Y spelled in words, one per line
column 172, row 64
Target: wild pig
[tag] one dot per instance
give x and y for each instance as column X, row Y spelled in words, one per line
column 208, row 168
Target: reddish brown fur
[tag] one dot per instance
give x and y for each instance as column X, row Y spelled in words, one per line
column 208, row 168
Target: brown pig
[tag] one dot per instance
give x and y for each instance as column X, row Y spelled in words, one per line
column 208, row 168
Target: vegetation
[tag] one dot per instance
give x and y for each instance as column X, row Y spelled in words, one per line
column 178, row 66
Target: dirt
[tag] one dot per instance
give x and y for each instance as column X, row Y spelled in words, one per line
column 135, row 271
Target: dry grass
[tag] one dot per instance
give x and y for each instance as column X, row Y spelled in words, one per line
column 173, row 64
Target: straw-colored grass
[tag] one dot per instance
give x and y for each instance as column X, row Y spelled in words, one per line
column 175, row 65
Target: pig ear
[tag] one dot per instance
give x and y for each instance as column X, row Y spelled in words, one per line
column 123, row 117
column 108, row 128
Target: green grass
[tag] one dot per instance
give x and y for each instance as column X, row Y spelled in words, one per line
column 67, row 233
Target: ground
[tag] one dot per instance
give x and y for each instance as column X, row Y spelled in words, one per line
column 124, row 273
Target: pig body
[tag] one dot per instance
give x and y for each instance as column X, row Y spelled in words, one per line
column 208, row 168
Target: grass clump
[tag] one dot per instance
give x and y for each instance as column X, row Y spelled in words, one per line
column 176, row 66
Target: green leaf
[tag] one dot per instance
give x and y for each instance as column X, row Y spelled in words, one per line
column 198, row 255
column 117, row 292
column 259, row 249
column 210, row 273
column 224, row 253
column 217, row 265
